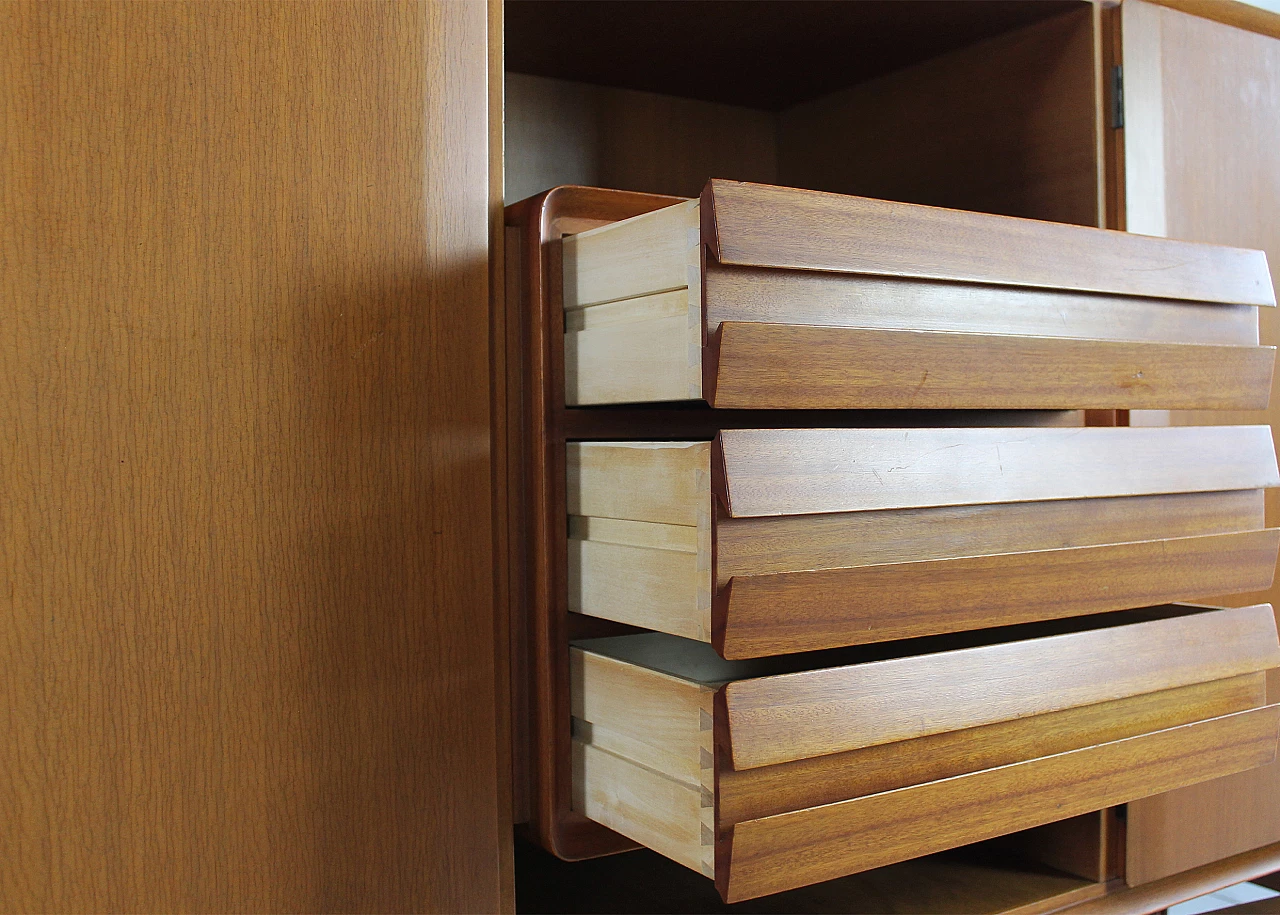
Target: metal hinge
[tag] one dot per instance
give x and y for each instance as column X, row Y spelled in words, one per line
column 1117, row 97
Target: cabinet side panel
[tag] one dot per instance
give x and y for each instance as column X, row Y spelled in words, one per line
column 248, row 631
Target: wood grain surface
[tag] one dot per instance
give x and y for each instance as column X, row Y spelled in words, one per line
column 762, row 226
column 762, row 546
column 746, row 794
column 792, row 849
column 567, row 132
column 1189, row 884
column 1211, row 95
column 768, row 295
column 930, row 133
column 787, row 366
column 862, row 705
column 800, row 471
column 805, row 611
column 663, row 482
column 247, row 626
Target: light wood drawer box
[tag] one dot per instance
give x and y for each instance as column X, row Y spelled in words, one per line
column 769, row 775
column 764, row 297
column 767, row 542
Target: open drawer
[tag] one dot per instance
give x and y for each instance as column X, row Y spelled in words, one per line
column 767, row 542
column 766, row 297
column 774, row 774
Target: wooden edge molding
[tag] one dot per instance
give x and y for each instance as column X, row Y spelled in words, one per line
column 782, row 366
column 765, row 226
column 1247, row 16
column 535, row 324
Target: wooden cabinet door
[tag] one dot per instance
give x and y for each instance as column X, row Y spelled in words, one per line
column 1201, row 146
column 246, row 615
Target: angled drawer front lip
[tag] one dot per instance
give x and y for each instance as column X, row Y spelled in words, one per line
column 772, row 720
column 805, row 611
column 806, row 846
column 809, row 471
column 785, row 366
column 750, row 794
column 761, row 225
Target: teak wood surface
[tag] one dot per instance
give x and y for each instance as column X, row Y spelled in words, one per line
column 748, row 794
column 780, row 852
column 786, row 543
column 755, row 225
column 850, row 707
column 246, row 635
column 801, row 367
column 801, row 471
column 643, row 716
column 777, row 614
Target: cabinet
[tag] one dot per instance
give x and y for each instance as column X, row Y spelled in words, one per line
column 928, row 130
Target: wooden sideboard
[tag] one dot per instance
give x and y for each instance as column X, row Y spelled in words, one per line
column 1049, row 116
column 255, row 636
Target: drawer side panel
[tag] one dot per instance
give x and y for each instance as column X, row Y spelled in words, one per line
column 661, row 482
column 652, row 588
column 642, row 255
column 641, row 804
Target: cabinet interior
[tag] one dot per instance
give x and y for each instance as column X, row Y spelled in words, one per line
column 987, row 106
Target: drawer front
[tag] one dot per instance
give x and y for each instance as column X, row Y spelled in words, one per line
column 795, row 849
column 880, row 305
column 774, row 542
column 778, row 778
column 860, row 705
